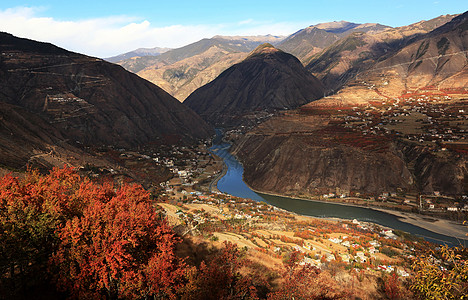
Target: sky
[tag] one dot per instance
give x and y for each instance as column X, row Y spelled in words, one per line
column 106, row 28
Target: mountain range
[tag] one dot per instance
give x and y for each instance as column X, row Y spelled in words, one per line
column 138, row 53
column 323, row 48
column 316, row 149
column 51, row 97
column 181, row 71
column 309, row 41
column 360, row 50
column 55, row 99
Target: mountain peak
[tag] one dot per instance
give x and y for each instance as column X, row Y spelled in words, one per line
column 263, row 49
column 268, row 80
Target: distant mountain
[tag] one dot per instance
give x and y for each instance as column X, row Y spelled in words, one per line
column 227, row 44
column 181, row 71
column 54, row 97
column 268, row 79
column 313, row 39
column 181, row 78
column 272, row 39
column 138, row 53
column 437, row 59
column 359, row 51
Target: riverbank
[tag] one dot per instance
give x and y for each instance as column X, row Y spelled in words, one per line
column 437, row 232
column 441, row 226
column 214, row 182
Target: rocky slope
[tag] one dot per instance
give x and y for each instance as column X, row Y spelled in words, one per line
column 437, row 59
column 309, row 41
column 268, row 79
column 310, row 154
column 183, row 70
column 307, row 155
column 50, row 96
column 361, row 50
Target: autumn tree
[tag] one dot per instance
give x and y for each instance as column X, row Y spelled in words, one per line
column 441, row 275
column 118, row 247
column 94, row 240
column 31, row 209
column 392, row 287
column 221, row 278
column 304, row 282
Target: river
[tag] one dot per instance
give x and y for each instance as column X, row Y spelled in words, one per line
column 232, row 183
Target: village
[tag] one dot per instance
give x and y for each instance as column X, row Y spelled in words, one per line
column 349, row 246
column 431, row 119
column 425, row 116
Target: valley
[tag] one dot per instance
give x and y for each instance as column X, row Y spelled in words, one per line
column 331, row 163
column 403, row 144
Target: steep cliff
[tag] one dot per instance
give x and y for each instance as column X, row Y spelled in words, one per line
column 298, row 154
column 301, row 154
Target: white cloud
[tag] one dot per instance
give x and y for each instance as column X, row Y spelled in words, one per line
column 244, row 22
column 108, row 36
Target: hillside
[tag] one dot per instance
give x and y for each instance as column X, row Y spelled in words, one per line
column 78, row 99
column 181, row 71
column 437, row 59
column 309, row 41
column 399, row 127
column 267, row 80
column 79, row 234
column 359, row 51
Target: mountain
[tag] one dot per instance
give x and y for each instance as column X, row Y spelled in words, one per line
column 181, row 71
column 311, row 40
column 359, row 51
column 268, row 79
column 394, row 127
column 138, row 53
column 437, row 59
column 308, row 155
column 181, row 78
column 52, row 97
column 227, row 44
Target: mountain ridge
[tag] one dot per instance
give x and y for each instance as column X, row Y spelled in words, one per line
column 268, row 79
column 155, row 51
column 86, row 100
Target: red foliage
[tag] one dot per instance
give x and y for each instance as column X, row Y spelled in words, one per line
column 306, row 282
column 392, row 287
column 119, row 246
column 221, row 278
column 98, row 240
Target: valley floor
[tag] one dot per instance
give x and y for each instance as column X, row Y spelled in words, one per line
column 440, row 226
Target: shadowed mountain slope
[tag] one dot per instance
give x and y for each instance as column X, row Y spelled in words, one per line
column 73, row 97
column 268, row 79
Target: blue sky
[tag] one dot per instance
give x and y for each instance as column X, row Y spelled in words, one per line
column 106, row 28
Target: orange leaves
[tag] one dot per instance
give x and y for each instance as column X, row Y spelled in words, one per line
column 221, row 278
column 117, row 241
column 99, row 240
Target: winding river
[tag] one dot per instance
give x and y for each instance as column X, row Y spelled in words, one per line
column 232, row 183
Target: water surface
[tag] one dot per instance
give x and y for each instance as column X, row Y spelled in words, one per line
column 232, row 183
